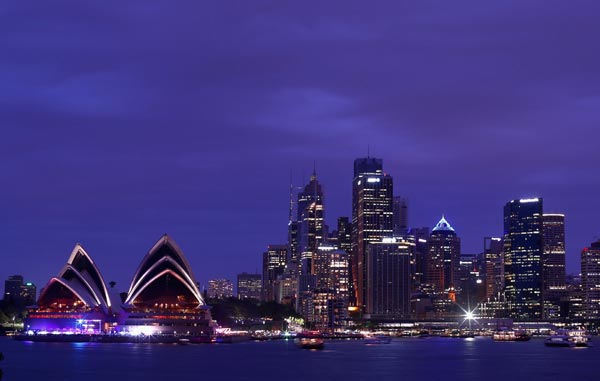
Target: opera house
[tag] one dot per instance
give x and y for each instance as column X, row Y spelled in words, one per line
column 163, row 298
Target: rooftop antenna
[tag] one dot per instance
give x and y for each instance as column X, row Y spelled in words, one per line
column 368, row 151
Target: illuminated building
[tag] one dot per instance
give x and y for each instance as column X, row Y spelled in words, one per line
column 553, row 260
column 389, row 279
column 220, row 288
column 590, row 281
column 286, row 288
column 344, row 234
column 494, row 267
column 163, row 297
column 249, row 286
column 274, row 260
column 18, row 292
column 332, row 280
column 76, row 300
column 523, row 250
column 443, row 258
column 372, row 217
column 311, row 222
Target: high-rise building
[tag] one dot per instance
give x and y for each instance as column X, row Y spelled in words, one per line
column 220, row 288
column 274, row 260
column 18, row 292
column 554, row 252
column 400, row 216
column 590, row 280
column 344, row 234
column 421, row 237
column 553, row 260
column 494, row 267
column 523, row 251
column 311, row 222
column 389, row 278
column 330, row 297
column 372, row 216
column 443, row 261
column 249, row 286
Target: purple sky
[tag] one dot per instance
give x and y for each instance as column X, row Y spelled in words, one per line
column 125, row 120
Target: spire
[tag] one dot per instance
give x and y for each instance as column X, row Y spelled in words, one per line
column 314, row 174
column 443, row 225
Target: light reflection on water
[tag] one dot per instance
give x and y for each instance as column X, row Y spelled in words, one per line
column 421, row 359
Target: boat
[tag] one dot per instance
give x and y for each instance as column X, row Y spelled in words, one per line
column 568, row 338
column 579, row 337
column 559, row 340
column 378, row 339
column 510, row 335
column 310, row 342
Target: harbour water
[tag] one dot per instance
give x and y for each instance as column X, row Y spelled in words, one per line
column 429, row 358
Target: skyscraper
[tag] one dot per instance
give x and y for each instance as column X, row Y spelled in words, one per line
column 523, row 250
column 372, row 216
column 400, row 216
column 494, row 267
column 330, row 297
column 273, row 266
column 443, row 261
column 590, row 280
column 389, row 278
column 553, row 261
column 311, row 222
column 554, row 252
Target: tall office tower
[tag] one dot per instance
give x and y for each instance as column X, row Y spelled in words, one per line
column 220, row 288
column 249, row 286
column 293, row 244
column 330, row 297
column 554, row 252
column 344, row 234
column 311, row 222
column 494, row 267
column 590, row 280
column 421, row 236
column 443, row 260
column 389, row 278
column 400, row 216
column 523, row 250
column 553, row 261
column 273, row 266
column 372, row 216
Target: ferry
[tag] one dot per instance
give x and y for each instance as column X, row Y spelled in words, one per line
column 510, row 335
column 310, row 342
column 568, row 338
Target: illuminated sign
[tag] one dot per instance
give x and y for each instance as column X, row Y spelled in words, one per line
column 526, row 200
column 373, row 180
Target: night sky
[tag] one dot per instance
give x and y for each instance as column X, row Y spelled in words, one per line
column 125, row 120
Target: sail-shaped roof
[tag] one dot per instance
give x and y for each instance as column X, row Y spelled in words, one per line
column 164, row 277
column 78, row 281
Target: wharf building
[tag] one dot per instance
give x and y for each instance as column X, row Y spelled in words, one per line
column 590, row 281
column 163, row 298
column 220, row 288
column 523, row 258
column 389, row 282
column 249, row 286
column 372, row 218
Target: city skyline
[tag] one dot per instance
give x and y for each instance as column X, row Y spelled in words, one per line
column 124, row 123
